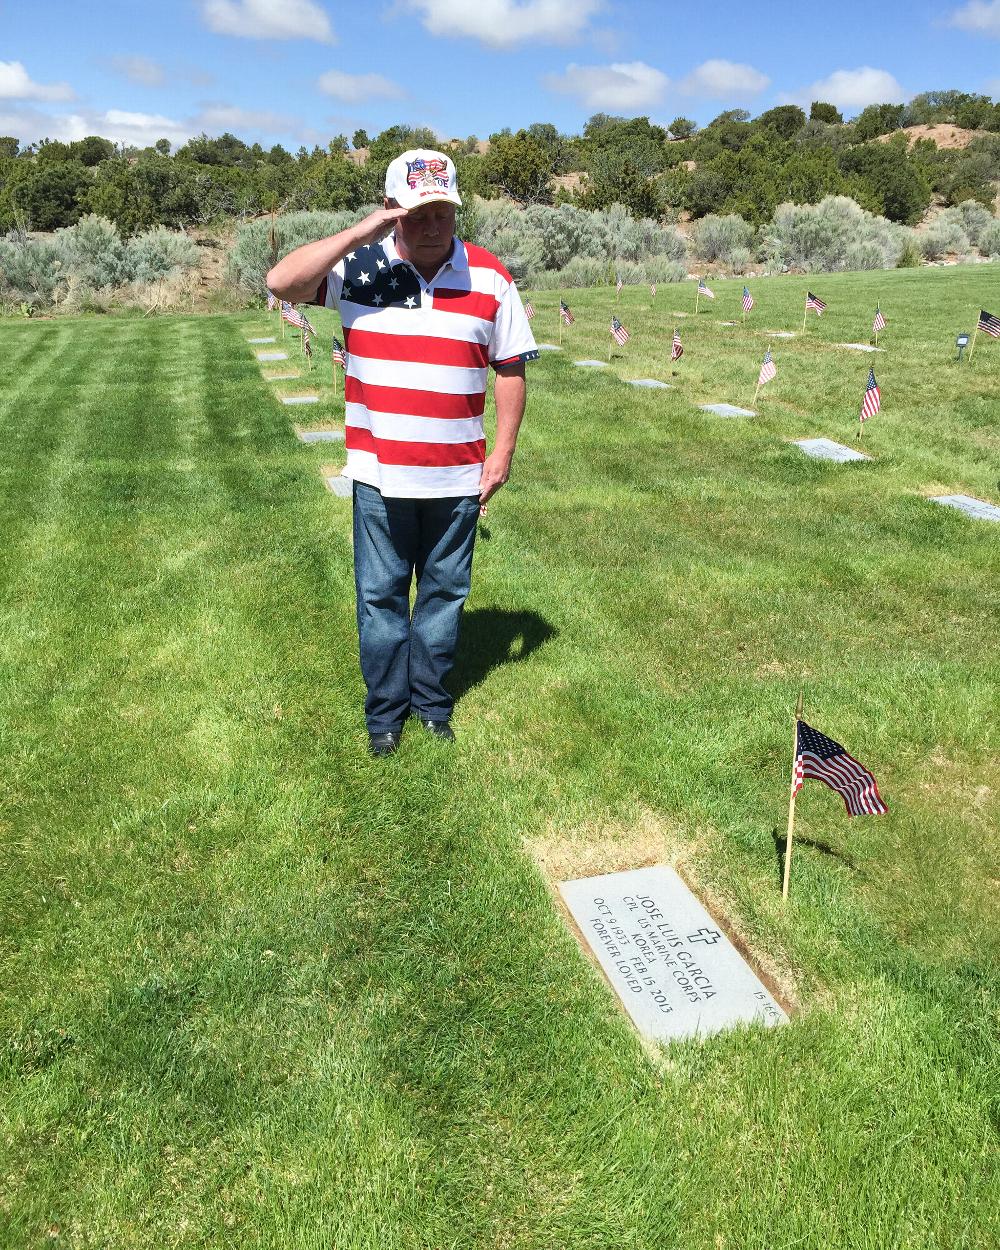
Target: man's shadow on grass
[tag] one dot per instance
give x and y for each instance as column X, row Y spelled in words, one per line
column 492, row 637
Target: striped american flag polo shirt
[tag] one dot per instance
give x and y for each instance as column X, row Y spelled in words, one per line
column 417, row 365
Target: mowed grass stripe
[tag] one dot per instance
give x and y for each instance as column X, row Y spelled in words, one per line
column 309, row 1000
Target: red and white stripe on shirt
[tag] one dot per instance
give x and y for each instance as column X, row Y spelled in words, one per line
column 415, row 384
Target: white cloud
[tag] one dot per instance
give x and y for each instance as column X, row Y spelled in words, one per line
column 622, row 86
column 353, row 88
column 15, row 84
column 724, row 80
column 140, row 69
column 982, row 17
column 506, row 23
column 851, row 90
column 268, row 19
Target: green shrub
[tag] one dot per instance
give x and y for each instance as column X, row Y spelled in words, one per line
column 942, row 238
column 717, row 238
column 833, row 235
column 989, row 239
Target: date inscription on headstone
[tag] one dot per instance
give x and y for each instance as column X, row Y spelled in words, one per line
column 675, row 971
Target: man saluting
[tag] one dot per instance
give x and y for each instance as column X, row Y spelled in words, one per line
column 425, row 316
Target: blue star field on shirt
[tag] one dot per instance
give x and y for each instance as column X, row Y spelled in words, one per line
column 372, row 281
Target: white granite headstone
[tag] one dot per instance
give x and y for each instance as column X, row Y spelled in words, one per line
column 341, row 486
column 675, row 971
column 320, row 436
column 272, row 355
column 272, row 339
column 727, row 410
column 548, row 347
column 727, row 323
column 300, row 399
column 780, row 334
column 281, row 377
column 978, row 509
column 652, row 383
column 827, row 449
column 591, row 364
column 860, row 347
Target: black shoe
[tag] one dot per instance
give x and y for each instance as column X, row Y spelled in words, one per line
column 381, row 745
column 439, row 728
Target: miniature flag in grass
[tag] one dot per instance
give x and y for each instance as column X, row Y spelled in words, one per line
column 747, row 300
column 618, row 284
column 814, row 302
column 337, row 353
column 296, row 318
column 272, row 300
column 619, row 333
column 820, row 758
column 767, row 369
column 872, row 400
column 652, row 289
column 565, row 313
column 989, row 324
column 879, row 323
column 703, row 289
column 307, row 346
column 529, row 309
column 676, row 351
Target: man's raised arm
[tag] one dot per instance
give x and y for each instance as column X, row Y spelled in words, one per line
column 296, row 277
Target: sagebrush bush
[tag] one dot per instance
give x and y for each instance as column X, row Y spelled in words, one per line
column 971, row 217
column 942, row 238
column 833, row 235
column 718, row 238
column 88, row 260
column 989, row 239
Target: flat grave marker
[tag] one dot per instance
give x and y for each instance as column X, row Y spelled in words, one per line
column 272, row 355
column 827, row 449
column 680, row 314
column 977, row 509
column 341, row 486
column 780, row 334
column 591, row 364
column 281, row 377
column 859, row 347
column 272, row 339
column 300, row 399
column 320, row 436
column 727, row 410
column 675, row 971
column 727, row 323
column 651, row 383
column 548, row 347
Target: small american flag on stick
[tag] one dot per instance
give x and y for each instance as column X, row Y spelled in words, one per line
column 989, row 324
column 815, row 303
column 747, row 300
column 652, row 289
column 703, row 289
column 676, row 350
column 879, row 323
column 337, row 353
column 767, row 369
column 618, row 332
column 272, row 300
column 529, row 309
column 819, row 758
column 618, row 284
column 295, row 318
column 565, row 313
column 872, row 399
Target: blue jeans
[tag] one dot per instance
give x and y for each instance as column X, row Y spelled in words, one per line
column 404, row 659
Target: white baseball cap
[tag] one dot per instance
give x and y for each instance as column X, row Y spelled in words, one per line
column 421, row 175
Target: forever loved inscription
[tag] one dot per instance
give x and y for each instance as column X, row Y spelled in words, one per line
column 676, row 973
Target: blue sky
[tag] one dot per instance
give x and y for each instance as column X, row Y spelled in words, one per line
column 300, row 71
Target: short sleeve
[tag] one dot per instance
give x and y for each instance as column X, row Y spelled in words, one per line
column 329, row 289
column 511, row 342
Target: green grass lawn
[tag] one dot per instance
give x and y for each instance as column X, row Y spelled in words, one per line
column 261, row 991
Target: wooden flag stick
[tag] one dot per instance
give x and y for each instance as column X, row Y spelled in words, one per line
column 756, row 389
column 805, row 314
column 791, row 802
column 973, row 347
column 697, row 299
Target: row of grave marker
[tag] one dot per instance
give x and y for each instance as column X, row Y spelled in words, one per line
column 818, row 448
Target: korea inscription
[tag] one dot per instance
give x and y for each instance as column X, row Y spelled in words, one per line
column 675, row 971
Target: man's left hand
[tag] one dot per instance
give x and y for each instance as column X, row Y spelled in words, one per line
column 496, row 471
